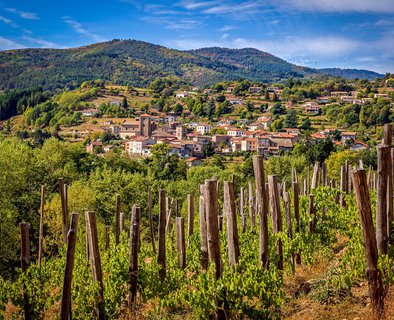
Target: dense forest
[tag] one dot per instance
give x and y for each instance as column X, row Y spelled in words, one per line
column 138, row 63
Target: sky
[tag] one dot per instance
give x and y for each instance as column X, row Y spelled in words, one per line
column 315, row 33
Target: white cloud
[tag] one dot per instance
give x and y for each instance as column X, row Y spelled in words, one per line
column 191, row 5
column 171, row 24
column 82, row 30
column 384, row 6
column 7, row 44
column 23, row 14
column 227, row 28
column 286, row 48
column 249, row 7
column 8, row 21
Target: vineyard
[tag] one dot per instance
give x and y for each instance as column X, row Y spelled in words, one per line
column 217, row 244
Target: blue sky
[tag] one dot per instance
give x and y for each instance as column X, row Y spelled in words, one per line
column 315, row 33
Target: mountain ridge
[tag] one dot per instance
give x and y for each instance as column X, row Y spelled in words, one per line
column 138, row 63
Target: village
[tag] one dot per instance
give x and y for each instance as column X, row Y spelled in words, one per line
column 194, row 140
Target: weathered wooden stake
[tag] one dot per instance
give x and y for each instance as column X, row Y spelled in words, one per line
column 121, row 222
column 117, row 218
column 169, row 207
column 375, row 284
column 251, row 205
column 296, row 201
column 287, row 204
column 180, row 241
column 388, row 140
column 152, row 230
column 65, row 309
column 64, row 210
column 107, row 228
column 95, row 260
column 190, row 216
column 231, row 218
column 211, row 207
column 315, row 176
column 242, row 209
column 24, row 229
column 343, row 186
column 203, row 229
column 41, row 228
column 258, row 167
column 381, row 205
column 133, row 256
column 161, row 258
column 276, row 215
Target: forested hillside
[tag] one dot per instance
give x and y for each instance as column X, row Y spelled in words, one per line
column 137, row 63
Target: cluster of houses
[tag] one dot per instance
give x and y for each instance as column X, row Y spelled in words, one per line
column 189, row 141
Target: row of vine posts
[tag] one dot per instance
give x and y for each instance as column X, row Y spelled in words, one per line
column 264, row 201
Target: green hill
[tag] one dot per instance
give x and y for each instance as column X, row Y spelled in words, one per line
column 138, row 63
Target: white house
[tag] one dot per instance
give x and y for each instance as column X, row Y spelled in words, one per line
column 182, row 94
column 89, row 112
column 203, row 128
column 169, row 118
column 235, row 132
column 139, row 146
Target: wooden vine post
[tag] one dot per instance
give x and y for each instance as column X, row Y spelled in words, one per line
column 276, row 215
column 315, row 176
column 121, row 223
column 231, row 218
column 388, row 140
column 41, row 227
column 65, row 309
column 180, row 241
column 95, row 259
column 117, row 218
column 343, row 186
column 133, row 256
column 190, row 216
column 63, row 200
column 381, row 205
column 287, row 204
column 258, row 167
column 161, row 258
column 242, row 209
column 296, row 204
column 151, row 228
column 211, row 207
column 107, row 228
column 24, row 229
column 375, row 284
column 251, row 205
column 203, row 229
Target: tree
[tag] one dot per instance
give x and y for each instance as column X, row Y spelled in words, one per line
column 277, row 108
column 277, row 125
column 124, row 103
column 290, row 119
column 306, row 124
column 178, row 108
column 208, row 149
column 210, row 109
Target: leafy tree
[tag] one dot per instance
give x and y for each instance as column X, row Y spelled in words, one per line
column 125, row 103
column 306, row 124
column 290, row 119
column 208, row 149
column 178, row 108
column 277, row 108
